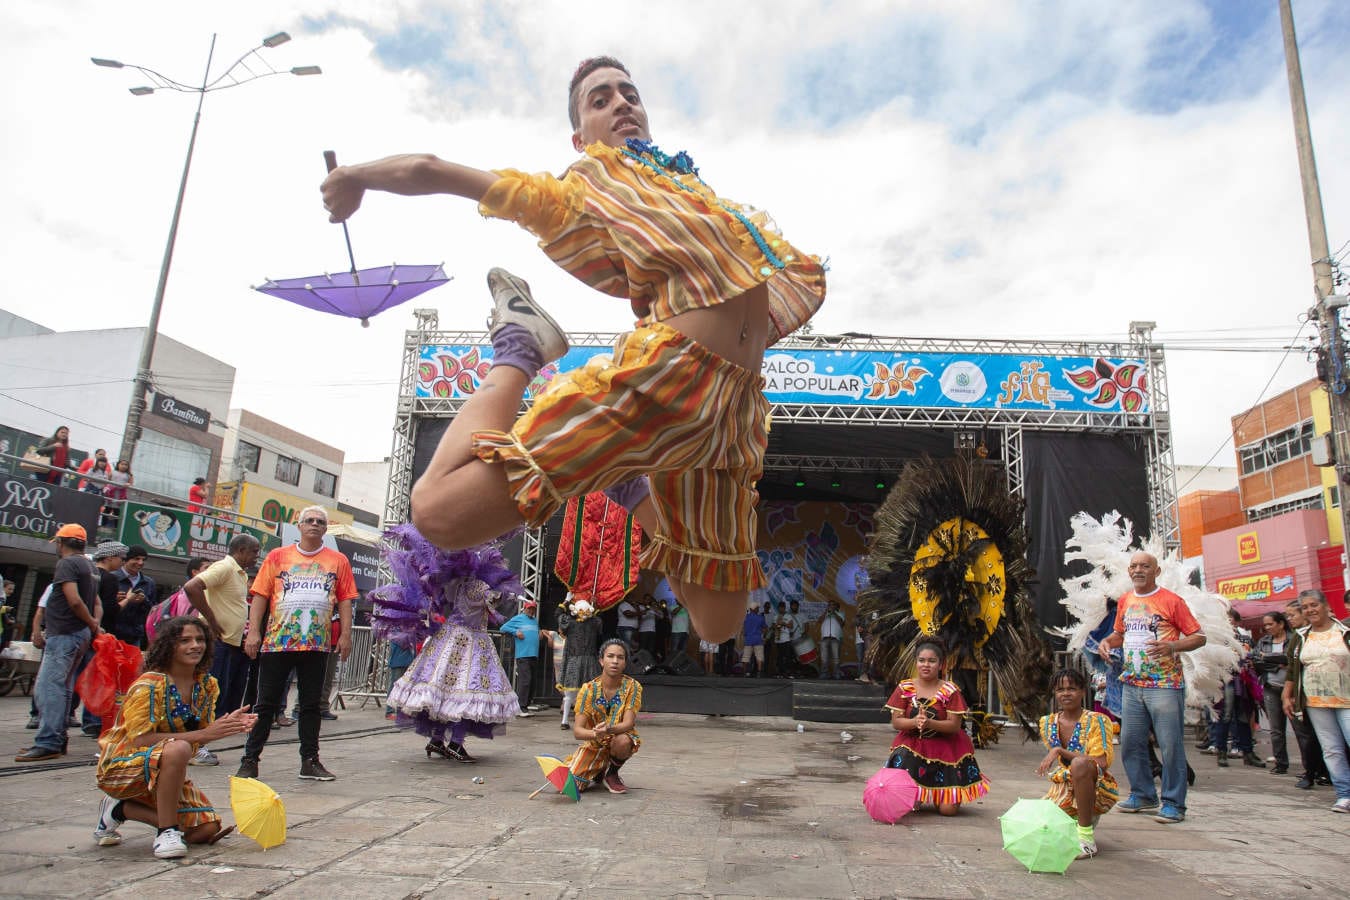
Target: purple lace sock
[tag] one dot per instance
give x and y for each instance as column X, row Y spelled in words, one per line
column 629, row 493
column 514, row 346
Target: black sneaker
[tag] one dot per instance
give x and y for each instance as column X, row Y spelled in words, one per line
column 248, row 768
column 312, row 770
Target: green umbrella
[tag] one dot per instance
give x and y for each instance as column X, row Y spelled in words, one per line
column 1040, row 835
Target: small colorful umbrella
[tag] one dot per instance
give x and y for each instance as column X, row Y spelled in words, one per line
column 890, row 795
column 1040, row 835
column 559, row 776
column 356, row 294
column 258, row 811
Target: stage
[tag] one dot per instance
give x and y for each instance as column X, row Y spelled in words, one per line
column 803, row 699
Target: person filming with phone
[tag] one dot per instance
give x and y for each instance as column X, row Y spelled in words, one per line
column 136, row 596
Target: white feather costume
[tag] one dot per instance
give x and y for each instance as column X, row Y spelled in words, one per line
column 1106, row 546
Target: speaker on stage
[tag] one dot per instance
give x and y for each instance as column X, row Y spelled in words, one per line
column 682, row 664
column 640, row 662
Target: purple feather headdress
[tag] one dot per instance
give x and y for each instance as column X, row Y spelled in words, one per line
column 408, row 610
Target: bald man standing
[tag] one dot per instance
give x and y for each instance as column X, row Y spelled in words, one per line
column 1153, row 626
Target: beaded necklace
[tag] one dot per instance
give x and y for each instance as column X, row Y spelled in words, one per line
column 647, row 154
column 1075, row 741
column 180, row 708
column 610, row 706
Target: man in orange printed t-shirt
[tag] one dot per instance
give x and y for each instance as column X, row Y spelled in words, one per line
column 1153, row 626
column 296, row 589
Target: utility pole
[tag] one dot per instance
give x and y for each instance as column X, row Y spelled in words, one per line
column 1327, row 305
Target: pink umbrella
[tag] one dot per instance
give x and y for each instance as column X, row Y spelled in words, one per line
column 890, row 795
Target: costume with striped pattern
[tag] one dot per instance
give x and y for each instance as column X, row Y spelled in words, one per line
column 1091, row 735
column 630, row 228
column 667, row 407
column 591, row 759
column 128, row 772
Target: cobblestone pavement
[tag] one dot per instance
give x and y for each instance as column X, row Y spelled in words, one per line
column 717, row 807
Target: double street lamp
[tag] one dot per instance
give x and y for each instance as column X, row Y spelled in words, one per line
column 252, row 66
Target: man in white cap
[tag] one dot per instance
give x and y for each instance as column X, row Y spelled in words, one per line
column 524, row 627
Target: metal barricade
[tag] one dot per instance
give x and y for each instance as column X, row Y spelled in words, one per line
column 365, row 674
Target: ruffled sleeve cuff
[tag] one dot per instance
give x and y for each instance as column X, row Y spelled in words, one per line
column 541, row 204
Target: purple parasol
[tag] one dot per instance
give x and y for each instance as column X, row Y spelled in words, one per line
column 357, row 295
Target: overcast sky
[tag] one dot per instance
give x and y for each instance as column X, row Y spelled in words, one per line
column 1001, row 169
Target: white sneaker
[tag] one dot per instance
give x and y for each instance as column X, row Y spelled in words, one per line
column 204, row 757
column 170, row 845
column 512, row 304
column 1087, row 849
column 1342, row 805
column 106, row 831
column 524, row 714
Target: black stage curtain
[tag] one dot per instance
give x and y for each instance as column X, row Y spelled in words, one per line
column 1071, row 473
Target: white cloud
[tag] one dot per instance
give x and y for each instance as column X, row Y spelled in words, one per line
column 972, row 169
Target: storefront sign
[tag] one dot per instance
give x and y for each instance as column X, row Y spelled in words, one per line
column 182, row 413
column 1249, row 549
column 868, row 378
column 179, row 534
column 36, row 509
column 1274, row 585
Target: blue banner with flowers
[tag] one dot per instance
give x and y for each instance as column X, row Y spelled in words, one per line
column 869, row 378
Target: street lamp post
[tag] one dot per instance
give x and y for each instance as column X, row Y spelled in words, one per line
column 249, row 67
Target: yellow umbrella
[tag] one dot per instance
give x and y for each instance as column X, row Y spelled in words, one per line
column 258, row 811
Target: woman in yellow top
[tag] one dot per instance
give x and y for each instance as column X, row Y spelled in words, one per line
column 1080, row 755
column 606, row 721
column 167, row 714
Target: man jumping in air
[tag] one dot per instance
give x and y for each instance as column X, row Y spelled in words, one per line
column 712, row 284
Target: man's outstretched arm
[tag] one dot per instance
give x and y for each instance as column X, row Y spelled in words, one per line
column 409, row 174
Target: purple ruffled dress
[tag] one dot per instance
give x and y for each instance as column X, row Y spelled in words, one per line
column 456, row 686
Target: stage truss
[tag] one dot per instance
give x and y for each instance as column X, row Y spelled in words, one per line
column 1152, row 429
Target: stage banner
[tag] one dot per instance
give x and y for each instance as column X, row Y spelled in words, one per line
column 868, row 378
column 37, row 509
column 179, row 534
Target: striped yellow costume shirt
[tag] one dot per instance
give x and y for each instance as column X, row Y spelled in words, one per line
column 630, row 228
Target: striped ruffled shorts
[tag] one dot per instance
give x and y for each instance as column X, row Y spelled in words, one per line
column 130, row 773
column 663, row 406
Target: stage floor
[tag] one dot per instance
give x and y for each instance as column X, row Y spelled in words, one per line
column 806, row 699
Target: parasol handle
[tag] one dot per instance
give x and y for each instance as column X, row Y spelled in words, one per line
column 547, row 785
column 330, row 161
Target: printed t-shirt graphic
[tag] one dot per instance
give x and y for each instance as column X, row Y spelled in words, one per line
column 301, row 591
column 1159, row 616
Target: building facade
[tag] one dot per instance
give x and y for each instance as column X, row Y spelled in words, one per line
column 272, row 472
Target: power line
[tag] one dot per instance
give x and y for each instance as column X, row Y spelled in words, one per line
column 1229, row 439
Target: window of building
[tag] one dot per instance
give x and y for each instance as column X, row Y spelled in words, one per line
column 288, row 470
column 325, row 483
column 1279, row 509
column 247, row 456
column 167, row 465
column 1273, row 449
